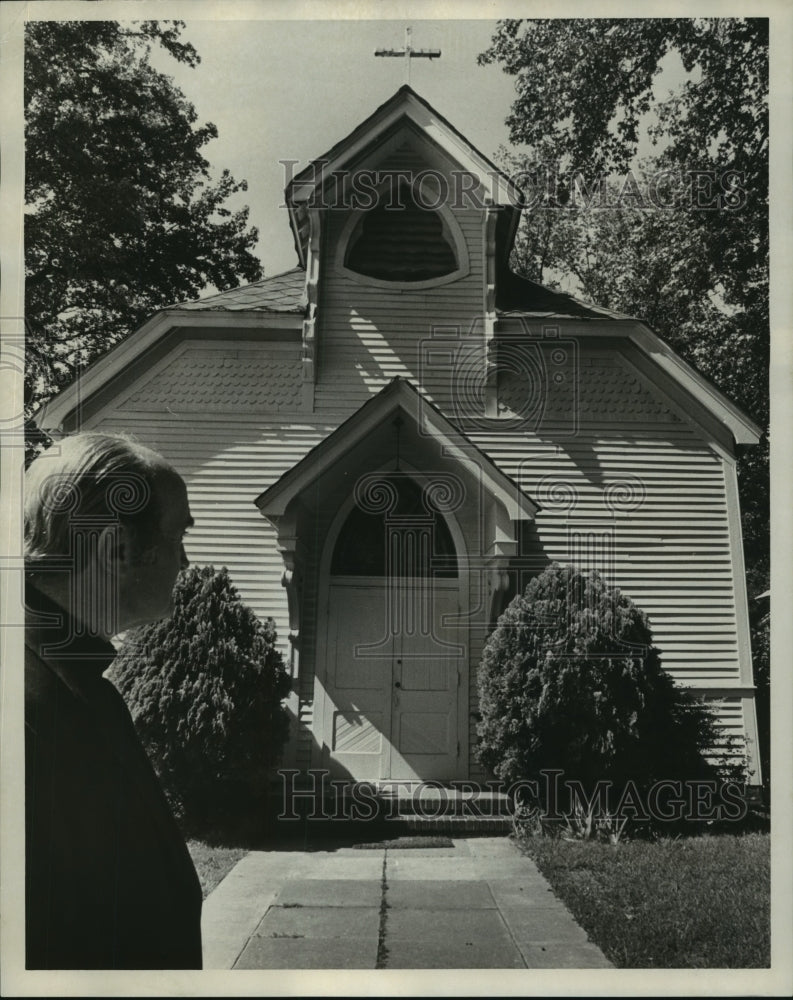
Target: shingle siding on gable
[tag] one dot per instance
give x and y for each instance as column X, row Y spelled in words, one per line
column 229, row 380
column 601, row 388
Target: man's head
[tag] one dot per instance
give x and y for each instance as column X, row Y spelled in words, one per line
column 113, row 514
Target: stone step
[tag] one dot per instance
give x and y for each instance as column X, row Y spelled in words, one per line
column 342, row 829
column 456, row 825
column 416, row 806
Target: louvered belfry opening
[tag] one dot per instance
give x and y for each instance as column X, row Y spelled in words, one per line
column 401, row 240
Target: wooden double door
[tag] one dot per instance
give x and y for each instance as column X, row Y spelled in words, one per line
column 395, row 669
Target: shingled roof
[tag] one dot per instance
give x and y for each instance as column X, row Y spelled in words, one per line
column 517, row 296
column 282, row 293
column 285, row 293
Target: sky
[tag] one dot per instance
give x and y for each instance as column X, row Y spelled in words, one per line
column 289, row 89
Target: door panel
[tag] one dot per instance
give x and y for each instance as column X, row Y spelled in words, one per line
column 424, row 733
column 358, row 688
column 391, row 705
column 357, row 733
column 424, row 706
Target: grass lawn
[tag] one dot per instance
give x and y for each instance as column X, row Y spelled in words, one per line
column 213, row 863
column 693, row 903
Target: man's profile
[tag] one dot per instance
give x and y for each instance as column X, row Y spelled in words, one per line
column 109, row 881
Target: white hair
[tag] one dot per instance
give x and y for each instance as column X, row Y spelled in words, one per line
column 86, row 481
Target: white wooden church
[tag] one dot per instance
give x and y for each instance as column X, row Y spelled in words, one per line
column 388, row 441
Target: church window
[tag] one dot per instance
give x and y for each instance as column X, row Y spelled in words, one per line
column 403, row 243
column 409, row 535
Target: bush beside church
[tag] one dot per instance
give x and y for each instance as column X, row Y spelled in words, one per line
column 205, row 689
column 570, row 681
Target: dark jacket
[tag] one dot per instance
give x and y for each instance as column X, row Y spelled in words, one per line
column 109, row 881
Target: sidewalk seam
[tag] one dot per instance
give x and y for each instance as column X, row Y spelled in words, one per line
column 249, row 938
column 382, row 950
column 507, row 924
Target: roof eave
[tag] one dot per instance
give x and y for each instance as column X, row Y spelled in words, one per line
column 52, row 414
column 274, row 501
column 744, row 430
column 302, row 186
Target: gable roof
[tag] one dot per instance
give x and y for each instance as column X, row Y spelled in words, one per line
column 397, row 395
column 518, row 296
column 404, row 106
column 280, row 301
column 284, row 292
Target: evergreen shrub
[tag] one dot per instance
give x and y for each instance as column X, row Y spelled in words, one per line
column 570, row 680
column 205, row 690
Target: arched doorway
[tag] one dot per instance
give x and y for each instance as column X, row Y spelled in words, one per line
column 395, row 655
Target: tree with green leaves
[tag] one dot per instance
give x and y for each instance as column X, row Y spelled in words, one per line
column 699, row 276
column 122, row 214
column 585, row 87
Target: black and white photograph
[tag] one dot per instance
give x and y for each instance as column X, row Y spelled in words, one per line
column 395, row 499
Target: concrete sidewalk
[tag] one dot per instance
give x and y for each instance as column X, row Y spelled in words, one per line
column 477, row 905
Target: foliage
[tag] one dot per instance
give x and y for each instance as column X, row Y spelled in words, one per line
column 570, row 680
column 122, row 218
column 585, row 90
column 688, row 903
column 760, row 625
column 583, row 821
column 205, row 689
column 36, row 441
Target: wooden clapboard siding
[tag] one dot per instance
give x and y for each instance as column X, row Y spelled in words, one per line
column 312, row 634
column 226, row 464
column 671, row 552
column 367, row 335
column 672, row 559
column 734, row 725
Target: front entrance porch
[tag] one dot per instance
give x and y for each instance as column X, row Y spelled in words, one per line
column 396, row 533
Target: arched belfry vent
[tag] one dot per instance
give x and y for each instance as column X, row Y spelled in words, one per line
column 404, row 536
column 401, row 240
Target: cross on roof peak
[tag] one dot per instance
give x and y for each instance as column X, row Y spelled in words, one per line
column 408, row 53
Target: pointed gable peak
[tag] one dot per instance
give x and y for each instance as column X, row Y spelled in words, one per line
column 405, row 107
column 405, row 118
column 399, row 397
